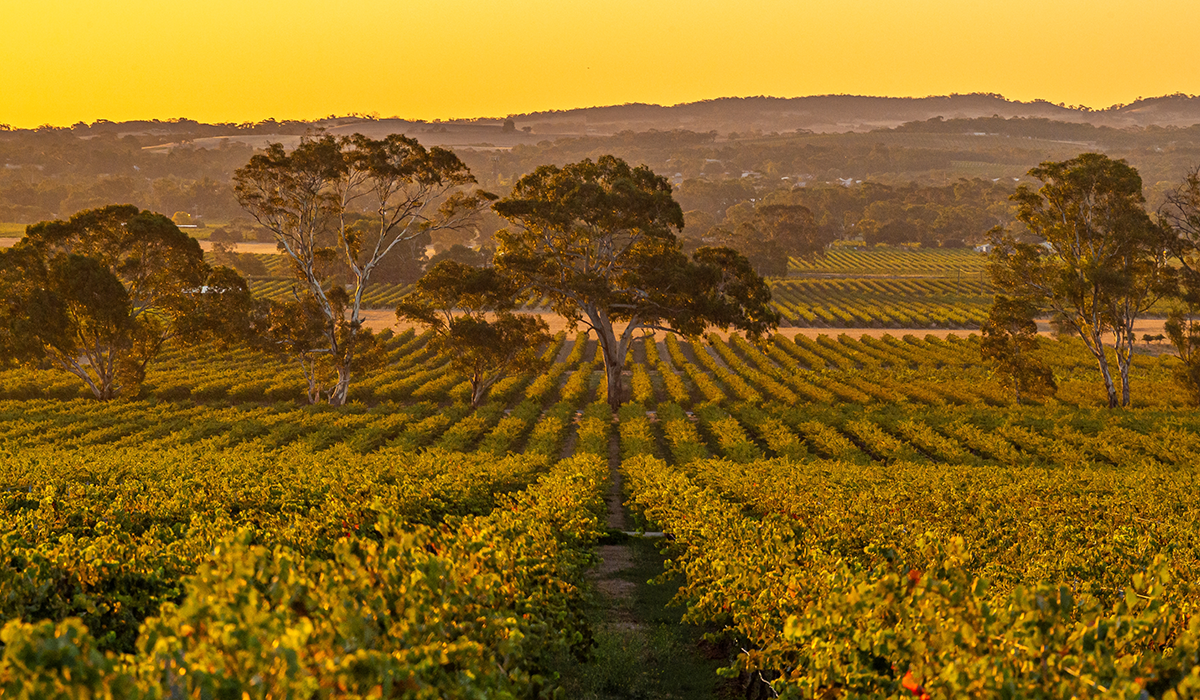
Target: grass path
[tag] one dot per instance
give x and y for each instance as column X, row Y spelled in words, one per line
column 642, row 650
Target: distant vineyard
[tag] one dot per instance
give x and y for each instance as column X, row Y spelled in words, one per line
column 936, row 262
column 867, row 302
column 822, row 303
column 848, row 288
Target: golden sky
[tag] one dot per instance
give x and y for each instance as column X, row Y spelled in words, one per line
column 63, row 61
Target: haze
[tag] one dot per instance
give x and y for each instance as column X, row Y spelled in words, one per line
column 220, row 60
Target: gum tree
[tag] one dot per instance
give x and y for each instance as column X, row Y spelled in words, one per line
column 598, row 239
column 342, row 206
column 100, row 294
column 1103, row 261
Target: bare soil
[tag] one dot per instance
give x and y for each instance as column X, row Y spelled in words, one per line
column 256, row 247
column 378, row 319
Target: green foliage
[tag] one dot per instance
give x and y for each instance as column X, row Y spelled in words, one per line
column 890, row 596
column 1009, row 341
column 595, row 426
column 597, row 239
column 98, row 296
column 448, row 611
column 49, row 660
column 454, row 300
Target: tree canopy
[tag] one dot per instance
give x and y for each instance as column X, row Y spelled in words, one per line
column 99, row 294
column 1009, row 340
column 598, row 240
column 771, row 234
column 469, row 309
column 1103, row 262
column 350, row 202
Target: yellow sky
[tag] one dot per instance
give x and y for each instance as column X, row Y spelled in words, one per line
column 63, row 61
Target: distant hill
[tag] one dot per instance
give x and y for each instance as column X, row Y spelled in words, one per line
column 749, row 146
column 743, row 116
column 842, row 113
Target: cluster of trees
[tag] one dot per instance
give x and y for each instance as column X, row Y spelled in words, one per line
column 51, row 173
column 1093, row 257
column 99, row 294
column 951, row 215
column 596, row 238
column 54, row 173
column 1044, row 128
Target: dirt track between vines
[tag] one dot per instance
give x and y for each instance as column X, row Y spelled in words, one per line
column 379, row 319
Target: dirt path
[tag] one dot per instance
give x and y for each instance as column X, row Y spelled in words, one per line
column 379, row 319
column 247, row 247
column 615, row 559
column 642, row 650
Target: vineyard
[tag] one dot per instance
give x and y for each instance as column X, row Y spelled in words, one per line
column 882, row 303
column 849, row 260
column 827, row 500
column 847, row 288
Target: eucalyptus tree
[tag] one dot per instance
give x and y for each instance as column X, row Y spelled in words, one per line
column 346, row 204
column 99, row 295
column 598, row 239
column 469, row 310
column 1181, row 213
column 1102, row 263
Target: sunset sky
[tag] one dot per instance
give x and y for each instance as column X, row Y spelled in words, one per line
column 63, row 61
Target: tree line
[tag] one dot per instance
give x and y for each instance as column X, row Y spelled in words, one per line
column 54, row 172
column 609, row 245
column 100, row 293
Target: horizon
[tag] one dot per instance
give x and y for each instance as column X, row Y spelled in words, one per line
column 380, row 117
column 220, row 61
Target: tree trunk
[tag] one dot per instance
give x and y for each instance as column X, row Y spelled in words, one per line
column 102, row 386
column 1095, row 343
column 341, row 389
column 342, row 355
column 612, row 372
column 614, row 364
column 1125, row 339
column 1123, row 365
column 1106, row 372
column 613, row 352
column 478, row 390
